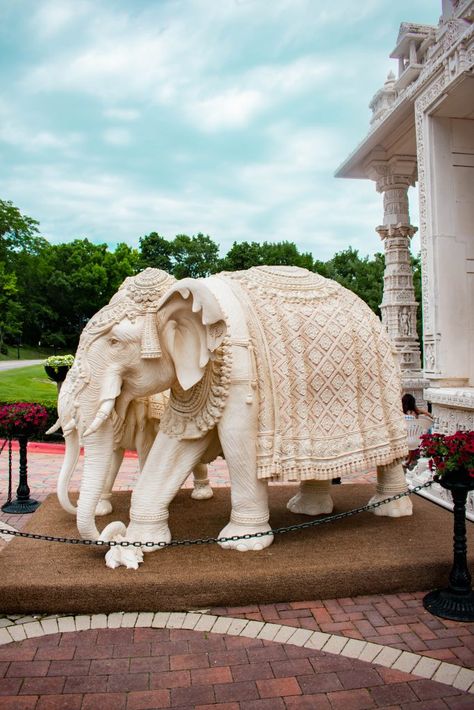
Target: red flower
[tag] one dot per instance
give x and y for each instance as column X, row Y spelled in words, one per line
column 22, row 419
column 447, row 453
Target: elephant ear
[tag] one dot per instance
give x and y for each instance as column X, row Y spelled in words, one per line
column 193, row 326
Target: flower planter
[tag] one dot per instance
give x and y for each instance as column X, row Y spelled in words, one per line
column 58, row 374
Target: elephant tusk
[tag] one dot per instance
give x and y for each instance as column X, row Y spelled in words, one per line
column 69, row 427
column 54, row 428
column 101, row 416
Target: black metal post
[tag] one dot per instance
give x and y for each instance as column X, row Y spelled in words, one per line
column 23, row 503
column 456, row 601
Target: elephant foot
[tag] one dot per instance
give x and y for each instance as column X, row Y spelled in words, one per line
column 149, row 532
column 104, row 507
column 395, row 509
column 252, row 543
column 313, row 498
column 202, row 490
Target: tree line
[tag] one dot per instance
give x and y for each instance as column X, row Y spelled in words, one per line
column 48, row 292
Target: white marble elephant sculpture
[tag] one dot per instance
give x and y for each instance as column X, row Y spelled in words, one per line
column 288, row 374
column 132, row 424
column 141, row 425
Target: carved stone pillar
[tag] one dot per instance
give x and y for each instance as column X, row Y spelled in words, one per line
column 393, row 178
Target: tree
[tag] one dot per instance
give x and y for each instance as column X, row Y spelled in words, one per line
column 363, row 276
column 66, row 284
column 194, row 256
column 10, row 307
column 243, row 255
column 184, row 256
column 17, row 231
column 155, row 251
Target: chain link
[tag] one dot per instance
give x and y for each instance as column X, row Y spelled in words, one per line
column 211, row 540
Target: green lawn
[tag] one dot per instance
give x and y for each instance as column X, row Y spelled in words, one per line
column 26, row 353
column 27, row 384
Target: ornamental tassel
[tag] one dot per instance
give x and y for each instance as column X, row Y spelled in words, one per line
column 150, row 340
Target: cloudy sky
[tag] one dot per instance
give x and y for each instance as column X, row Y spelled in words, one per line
column 228, row 117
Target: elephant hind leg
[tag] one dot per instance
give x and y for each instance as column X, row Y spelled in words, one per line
column 202, row 489
column 390, row 481
column 313, row 498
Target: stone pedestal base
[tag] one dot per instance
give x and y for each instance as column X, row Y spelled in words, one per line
column 420, row 474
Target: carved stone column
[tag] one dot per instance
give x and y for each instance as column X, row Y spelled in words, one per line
column 393, row 178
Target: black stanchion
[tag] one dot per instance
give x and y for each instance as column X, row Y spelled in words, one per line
column 456, row 601
column 23, row 503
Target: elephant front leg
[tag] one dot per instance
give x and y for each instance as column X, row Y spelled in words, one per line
column 249, row 495
column 313, row 498
column 390, row 481
column 202, row 489
column 166, row 468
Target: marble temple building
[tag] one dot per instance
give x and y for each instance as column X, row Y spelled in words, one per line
column 422, row 132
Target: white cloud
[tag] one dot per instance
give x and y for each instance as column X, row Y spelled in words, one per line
column 52, row 17
column 122, row 114
column 117, row 136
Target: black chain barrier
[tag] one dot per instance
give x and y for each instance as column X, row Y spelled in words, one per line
column 212, row 540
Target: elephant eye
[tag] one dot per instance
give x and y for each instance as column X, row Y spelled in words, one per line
column 113, row 341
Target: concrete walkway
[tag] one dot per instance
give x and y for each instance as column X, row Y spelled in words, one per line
column 366, row 652
column 14, row 364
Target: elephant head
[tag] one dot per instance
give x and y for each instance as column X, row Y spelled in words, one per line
column 153, row 335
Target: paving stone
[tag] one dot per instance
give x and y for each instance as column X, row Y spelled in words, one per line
column 353, row 648
column 83, row 622
column 59, row 702
column 191, row 620
column 237, row 626
column 221, row 625
column 387, row 656
column 160, row 619
column 17, row 633
column 129, row 619
column 33, row 629
column 66, row 623
column 98, row 621
column 284, row 634
column 426, row 667
column 406, row 661
column 50, row 626
column 268, row 632
column 334, row 644
column 139, row 700
column 144, row 619
column 369, row 652
column 114, row 621
column 252, row 629
column 446, row 673
column 175, row 620
column 464, row 679
column 278, row 687
column 300, row 637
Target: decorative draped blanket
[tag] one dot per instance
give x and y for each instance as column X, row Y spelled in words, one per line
column 329, row 392
column 328, row 384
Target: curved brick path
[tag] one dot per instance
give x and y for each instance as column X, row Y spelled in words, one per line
column 230, row 660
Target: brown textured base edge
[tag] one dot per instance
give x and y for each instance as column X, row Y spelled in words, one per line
column 363, row 554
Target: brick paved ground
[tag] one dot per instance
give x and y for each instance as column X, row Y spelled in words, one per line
column 134, row 668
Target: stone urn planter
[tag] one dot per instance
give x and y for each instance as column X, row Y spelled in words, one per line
column 57, row 367
column 57, row 374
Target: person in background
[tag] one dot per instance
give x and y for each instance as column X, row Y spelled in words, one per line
column 410, row 408
column 412, row 413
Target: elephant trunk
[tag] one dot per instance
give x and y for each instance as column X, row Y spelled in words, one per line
column 98, row 450
column 71, row 457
